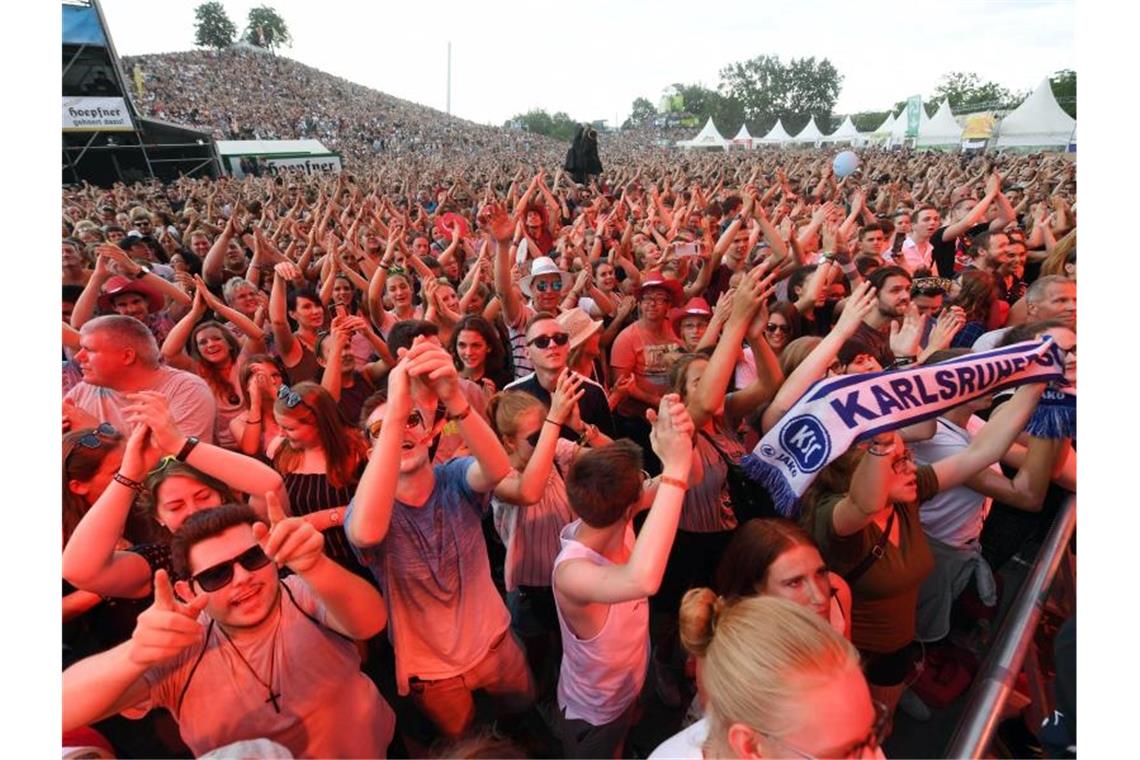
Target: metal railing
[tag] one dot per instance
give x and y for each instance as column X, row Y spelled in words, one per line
column 1014, row 641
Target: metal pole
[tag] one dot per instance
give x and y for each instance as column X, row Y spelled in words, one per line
column 999, row 672
column 449, row 79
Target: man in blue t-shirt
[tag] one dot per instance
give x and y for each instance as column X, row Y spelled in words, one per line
column 418, row 529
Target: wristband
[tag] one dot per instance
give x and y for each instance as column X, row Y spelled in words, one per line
column 554, row 422
column 461, row 416
column 902, row 361
column 248, row 421
column 123, row 480
column 676, row 482
column 187, row 447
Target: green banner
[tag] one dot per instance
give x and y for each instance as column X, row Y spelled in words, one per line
column 913, row 113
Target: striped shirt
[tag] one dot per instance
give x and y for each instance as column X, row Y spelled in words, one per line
column 311, row 492
column 708, row 507
column 517, row 334
column 532, row 533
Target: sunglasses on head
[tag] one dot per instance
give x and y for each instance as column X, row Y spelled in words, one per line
column 219, row 575
column 415, row 419
column 544, row 341
column 289, row 396
column 543, row 285
column 91, row 439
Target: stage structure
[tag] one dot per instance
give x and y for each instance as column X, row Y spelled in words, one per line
column 105, row 138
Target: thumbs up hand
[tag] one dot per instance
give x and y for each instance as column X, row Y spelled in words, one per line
column 167, row 627
column 289, row 541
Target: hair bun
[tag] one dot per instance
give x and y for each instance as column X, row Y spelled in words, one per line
column 700, row 611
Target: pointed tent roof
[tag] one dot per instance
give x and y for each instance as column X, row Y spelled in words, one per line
column 898, row 126
column 777, row 134
column 1038, row 122
column 846, row 131
column 743, row 133
column 708, row 137
column 809, row 134
column 940, row 129
column 885, row 127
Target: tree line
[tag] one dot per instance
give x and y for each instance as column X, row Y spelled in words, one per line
column 264, row 27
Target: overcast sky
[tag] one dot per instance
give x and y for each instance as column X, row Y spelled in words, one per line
column 592, row 58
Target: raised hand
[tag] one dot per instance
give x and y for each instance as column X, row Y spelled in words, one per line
column 287, row 270
column 564, row 401
column 151, row 409
column 859, row 304
column 905, row 338
column 672, row 432
column 289, row 541
column 429, row 363
column 949, row 322
column 167, row 627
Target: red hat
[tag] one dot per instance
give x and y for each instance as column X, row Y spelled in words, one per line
column 696, row 307
column 120, row 284
column 670, row 285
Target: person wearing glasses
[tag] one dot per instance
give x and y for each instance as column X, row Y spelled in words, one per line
column 869, row 498
column 320, row 456
column 779, row 682
column 233, row 651
column 646, row 350
column 548, row 350
column 418, row 528
column 192, row 475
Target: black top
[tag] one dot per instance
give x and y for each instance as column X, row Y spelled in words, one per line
column 593, row 407
column 944, row 253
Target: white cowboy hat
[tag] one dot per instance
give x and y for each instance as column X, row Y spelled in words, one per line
column 544, row 265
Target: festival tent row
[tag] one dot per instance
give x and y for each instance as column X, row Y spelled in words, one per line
column 1038, row 123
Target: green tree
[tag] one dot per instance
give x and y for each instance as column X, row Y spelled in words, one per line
column 767, row 89
column 967, row 92
column 212, row 27
column 559, row 126
column 265, row 28
column 1064, row 84
column 868, row 121
column 641, row 113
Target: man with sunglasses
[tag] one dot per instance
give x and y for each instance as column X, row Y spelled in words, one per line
column 418, row 527
column 241, row 658
column 548, row 347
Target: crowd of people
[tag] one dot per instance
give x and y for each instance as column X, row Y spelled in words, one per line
column 560, row 535
column 243, row 93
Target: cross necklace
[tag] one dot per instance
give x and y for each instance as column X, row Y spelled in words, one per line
column 273, row 696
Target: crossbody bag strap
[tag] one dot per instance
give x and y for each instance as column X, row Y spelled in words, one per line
column 877, row 551
column 727, row 459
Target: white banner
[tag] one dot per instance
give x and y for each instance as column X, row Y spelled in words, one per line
column 96, row 115
column 266, row 166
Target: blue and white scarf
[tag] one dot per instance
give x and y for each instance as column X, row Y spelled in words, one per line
column 835, row 413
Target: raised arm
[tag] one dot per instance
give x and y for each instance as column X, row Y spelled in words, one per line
column 994, row 439
column 526, row 488
column 496, row 222
column 366, row 524
column 584, row 582
column 815, row 366
column 174, row 347
column 287, row 346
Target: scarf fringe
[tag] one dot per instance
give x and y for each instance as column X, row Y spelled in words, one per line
column 1053, row 422
column 784, row 499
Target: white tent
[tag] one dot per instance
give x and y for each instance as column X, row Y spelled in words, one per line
column 846, row 133
column 898, row 129
column 777, row 134
column 708, row 137
column 939, row 130
column 1037, row 123
column 742, row 138
column 882, row 135
column 809, row 134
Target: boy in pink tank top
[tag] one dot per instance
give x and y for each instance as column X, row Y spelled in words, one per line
column 603, row 578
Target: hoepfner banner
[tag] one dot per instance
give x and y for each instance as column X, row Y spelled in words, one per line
column 96, row 115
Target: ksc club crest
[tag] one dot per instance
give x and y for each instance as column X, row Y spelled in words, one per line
column 807, row 441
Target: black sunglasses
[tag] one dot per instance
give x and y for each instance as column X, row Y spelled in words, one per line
column 544, row 341
column 289, row 396
column 220, row 575
column 773, row 327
